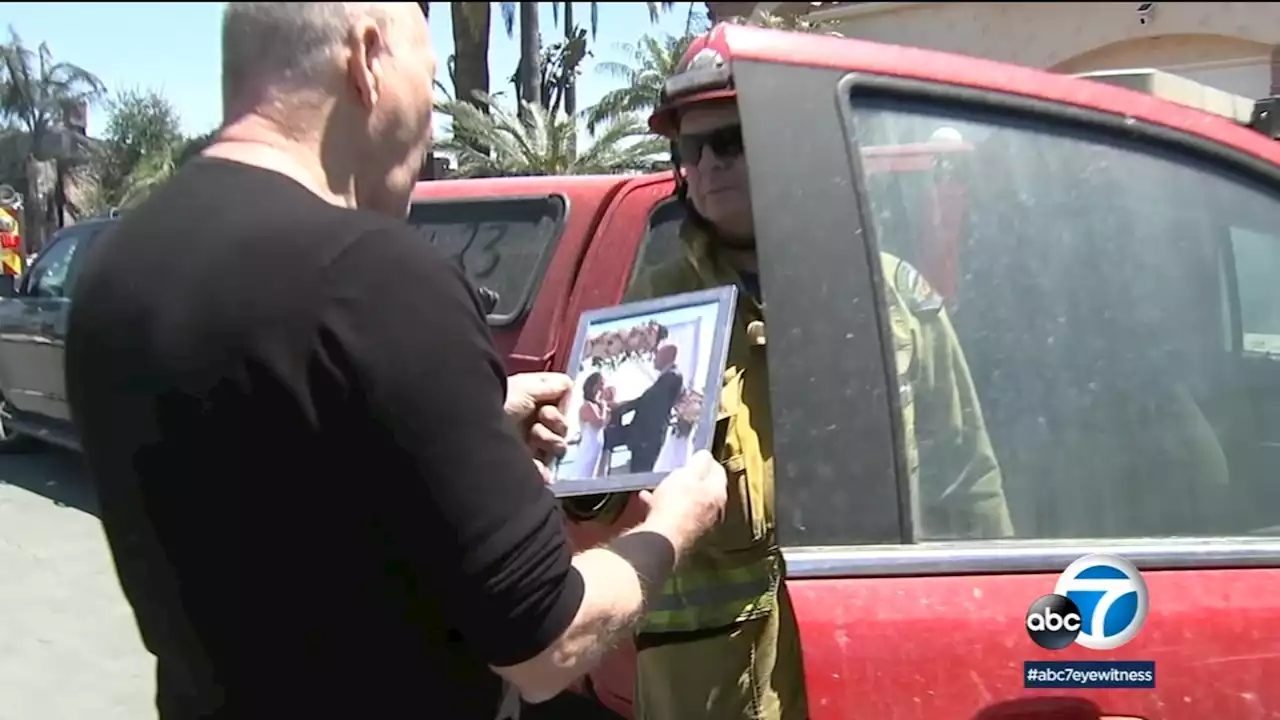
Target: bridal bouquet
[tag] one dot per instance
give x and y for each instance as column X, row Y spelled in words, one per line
column 687, row 411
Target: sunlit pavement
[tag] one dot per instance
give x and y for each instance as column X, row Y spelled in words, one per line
column 69, row 648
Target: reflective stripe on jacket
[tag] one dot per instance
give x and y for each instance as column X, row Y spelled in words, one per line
column 733, row 573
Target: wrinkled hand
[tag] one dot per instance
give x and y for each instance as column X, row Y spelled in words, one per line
column 690, row 500
column 533, row 403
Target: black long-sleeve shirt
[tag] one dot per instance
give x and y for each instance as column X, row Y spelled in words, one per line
column 315, row 502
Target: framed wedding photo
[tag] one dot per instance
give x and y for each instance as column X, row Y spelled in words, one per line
column 646, row 387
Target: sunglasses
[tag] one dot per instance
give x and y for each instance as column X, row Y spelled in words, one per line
column 725, row 142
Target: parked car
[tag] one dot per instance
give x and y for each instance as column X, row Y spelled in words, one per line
column 33, row 324
column 1099, row 251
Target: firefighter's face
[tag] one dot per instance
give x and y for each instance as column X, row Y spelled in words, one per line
column 711, row 150
column 393, row 72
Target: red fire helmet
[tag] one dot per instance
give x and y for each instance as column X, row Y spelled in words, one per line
column 702, row 75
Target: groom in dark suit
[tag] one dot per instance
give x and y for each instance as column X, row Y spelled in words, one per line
column 648, row 427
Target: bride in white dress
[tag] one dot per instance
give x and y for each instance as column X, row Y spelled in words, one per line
column 675, row 452
column 592, row 417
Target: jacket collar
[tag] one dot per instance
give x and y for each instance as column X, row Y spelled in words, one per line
column 700, row 251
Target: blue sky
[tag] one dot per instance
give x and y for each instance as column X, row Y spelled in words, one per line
column 173, row 47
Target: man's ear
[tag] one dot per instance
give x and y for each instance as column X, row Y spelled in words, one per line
column 365, row 63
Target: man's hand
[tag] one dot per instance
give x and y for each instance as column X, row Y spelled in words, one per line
column 533, row 403
column 688, row 502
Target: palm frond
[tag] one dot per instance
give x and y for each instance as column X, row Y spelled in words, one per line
column 618, row 70
column 508, row 10
column 618, row 104
column 656, row 8
column 653, row 60
column 35, row 90
column 537, row 142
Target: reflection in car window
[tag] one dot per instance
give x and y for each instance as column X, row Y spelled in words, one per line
column 662, row 241
column 920, row 193
column 501, row 245
column 1257, row 267
column 904, row 183
column 1089, row 305
column 49, row 273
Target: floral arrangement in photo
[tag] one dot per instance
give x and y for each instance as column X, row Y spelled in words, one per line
column 687, row 411
column 611, row 349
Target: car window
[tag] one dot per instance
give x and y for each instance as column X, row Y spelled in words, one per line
column 661, row 242
column 49, row 275
column 502, row 244
column 902, row 187
column 1079, row 386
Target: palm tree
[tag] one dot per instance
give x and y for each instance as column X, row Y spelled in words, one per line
column 534, row 142
column 653, row 60
column 530, row 54
column 569, row 79
column 469, row 65
column 37, row 94
column 471, row 22
column 13, row 151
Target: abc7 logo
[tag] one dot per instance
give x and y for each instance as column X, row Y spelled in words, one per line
column 1100, row 602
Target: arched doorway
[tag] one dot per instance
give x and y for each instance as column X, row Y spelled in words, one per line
column 1231, row 64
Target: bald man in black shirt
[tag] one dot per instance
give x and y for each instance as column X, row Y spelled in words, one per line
column 306, row 447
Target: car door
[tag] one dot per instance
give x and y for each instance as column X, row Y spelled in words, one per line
column 1102, row 340
column 32, row 334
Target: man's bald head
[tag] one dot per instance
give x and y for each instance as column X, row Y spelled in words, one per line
column 665, row 357
column 351, row 83
column 280, row 47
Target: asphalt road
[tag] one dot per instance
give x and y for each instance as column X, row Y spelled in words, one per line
column 69, row 649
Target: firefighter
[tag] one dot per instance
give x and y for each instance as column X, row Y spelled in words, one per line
column 11, row 263
column 721, row 640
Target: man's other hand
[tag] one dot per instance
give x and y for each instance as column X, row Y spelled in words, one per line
column 689, row 501
column 533, row 403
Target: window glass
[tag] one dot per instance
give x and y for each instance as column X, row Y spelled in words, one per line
column 919, row 193
column 903, row 179
column 49, row 274
column 502, row 244
column 662, row 241
column 1257, row 268
column 1076, row 374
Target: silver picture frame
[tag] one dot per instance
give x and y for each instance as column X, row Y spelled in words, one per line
column 717, row 305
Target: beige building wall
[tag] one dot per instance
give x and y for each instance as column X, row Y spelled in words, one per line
column 1227, row 45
